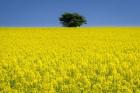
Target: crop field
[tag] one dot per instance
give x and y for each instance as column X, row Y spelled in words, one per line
column 70, row 60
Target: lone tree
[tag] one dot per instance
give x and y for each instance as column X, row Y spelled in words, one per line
column 72, row 20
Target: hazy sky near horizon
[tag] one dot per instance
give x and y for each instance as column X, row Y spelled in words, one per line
column 46, row 12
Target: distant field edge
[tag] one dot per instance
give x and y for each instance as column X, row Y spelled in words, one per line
column 68, row 27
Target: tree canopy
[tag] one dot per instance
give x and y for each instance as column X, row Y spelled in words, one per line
column 72, row 20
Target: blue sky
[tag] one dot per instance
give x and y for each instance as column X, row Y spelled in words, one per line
column 46, row 12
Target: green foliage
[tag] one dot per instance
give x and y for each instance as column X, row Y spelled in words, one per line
column 72, row 20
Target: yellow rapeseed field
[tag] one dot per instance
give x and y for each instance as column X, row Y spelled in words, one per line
column 70, row 60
